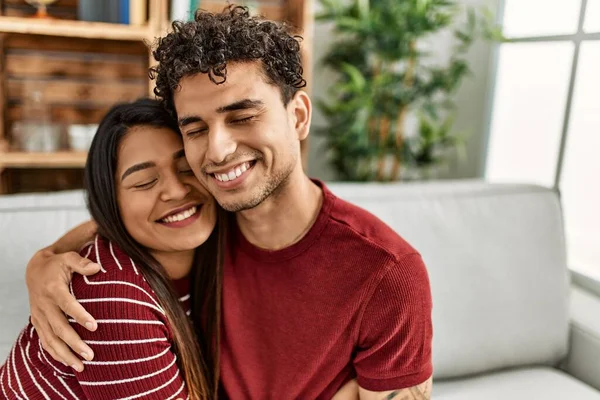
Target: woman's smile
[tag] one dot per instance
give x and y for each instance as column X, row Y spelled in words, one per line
column 182, row 217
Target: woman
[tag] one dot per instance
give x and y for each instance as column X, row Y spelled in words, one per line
column 156, row 237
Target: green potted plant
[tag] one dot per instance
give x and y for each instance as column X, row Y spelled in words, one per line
column 384, row 75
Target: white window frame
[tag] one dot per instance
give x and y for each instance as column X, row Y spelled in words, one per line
column 577, row 38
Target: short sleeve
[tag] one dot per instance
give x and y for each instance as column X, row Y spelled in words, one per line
column 395, row 336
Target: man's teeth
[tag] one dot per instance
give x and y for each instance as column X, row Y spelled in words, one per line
column 181, row 216
column 234, row 173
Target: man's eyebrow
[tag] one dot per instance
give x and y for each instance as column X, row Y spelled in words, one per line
column 241, row 105
column 238, row 105
column 136, row 168
column 188, row 120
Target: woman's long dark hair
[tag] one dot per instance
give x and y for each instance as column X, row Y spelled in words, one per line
column 197, row 344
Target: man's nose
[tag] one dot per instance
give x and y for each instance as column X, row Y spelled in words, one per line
column 220, row 145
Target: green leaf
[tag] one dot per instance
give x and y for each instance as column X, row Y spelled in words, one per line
column 471, row 19
column 422, row 6
column 348, row 24
column 363, row 7
column 356, row 77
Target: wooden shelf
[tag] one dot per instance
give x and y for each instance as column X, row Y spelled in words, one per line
column 76, row 29
column 66, row 43
column 62, row 159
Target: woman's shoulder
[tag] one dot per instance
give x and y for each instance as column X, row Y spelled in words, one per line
column 119, row 274
column 109, row 256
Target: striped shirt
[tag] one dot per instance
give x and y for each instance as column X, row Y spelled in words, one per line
column 133, row 354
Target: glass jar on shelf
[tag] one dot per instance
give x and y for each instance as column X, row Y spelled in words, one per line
column 35, row 132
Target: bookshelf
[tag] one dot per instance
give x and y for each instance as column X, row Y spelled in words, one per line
column 74, row 29
column 30, row 160
column 81, row 68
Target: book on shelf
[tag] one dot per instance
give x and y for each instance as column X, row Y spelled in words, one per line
column 184, row 10
column 90, row 10
column 179, row 10
column 124, row 12
column 138, row 11
column 128, row 12
column 194, row 5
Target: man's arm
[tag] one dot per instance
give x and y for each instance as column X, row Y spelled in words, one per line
column 419, row 392
column 347, row 392
column 394, row 357
column 48, row 276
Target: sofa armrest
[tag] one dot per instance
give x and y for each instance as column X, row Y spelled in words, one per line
column 584, row 280
column 583, row 361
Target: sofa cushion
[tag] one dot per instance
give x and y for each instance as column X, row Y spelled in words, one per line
column 496, row 260
column 519, row 384
column 28, row 223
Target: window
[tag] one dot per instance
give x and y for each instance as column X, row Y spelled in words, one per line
column 592, row 17
column 545, row 117
column 528, row 18
column 529, row 106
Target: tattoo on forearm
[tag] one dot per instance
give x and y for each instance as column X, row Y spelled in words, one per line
column 392, row 395
column 419, row 392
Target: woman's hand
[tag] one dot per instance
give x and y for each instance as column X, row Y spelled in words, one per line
column 48, row 276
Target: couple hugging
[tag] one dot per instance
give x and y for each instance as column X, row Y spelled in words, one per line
column 214, row 267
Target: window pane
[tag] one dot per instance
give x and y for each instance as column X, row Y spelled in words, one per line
column 541, row 17
column 580, row 182
column 592, row 16
column 529, row 106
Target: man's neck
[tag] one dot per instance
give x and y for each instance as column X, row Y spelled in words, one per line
column 285, row 217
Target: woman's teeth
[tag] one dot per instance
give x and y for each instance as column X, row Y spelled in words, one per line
column 234, row 173
column 180, row 216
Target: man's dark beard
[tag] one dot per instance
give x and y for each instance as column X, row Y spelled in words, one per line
column 272, row 188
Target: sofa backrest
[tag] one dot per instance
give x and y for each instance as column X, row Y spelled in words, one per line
column 28, row 223
column 495, row 256
column 496, row 261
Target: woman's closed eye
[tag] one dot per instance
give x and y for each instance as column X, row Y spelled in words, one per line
column 146, row 184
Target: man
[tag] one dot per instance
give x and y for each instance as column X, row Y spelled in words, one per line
column 316, row 291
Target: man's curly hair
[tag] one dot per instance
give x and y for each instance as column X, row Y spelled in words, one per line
column 211, row 40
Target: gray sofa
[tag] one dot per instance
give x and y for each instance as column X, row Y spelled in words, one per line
column 508, row 322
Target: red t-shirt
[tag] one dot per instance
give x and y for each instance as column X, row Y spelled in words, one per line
column 349, row 300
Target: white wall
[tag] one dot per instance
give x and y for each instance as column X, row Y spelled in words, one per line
column 472, row 100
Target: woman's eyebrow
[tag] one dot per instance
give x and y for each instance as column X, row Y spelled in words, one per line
column 136, row 168
column 149, row 164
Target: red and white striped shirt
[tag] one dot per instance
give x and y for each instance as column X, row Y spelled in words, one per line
column 133, row 354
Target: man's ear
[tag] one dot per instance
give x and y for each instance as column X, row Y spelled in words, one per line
column 301, row 110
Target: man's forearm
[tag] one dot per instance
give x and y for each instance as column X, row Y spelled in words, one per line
column 74, row 239
column 413, row 393
column 418, row 392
